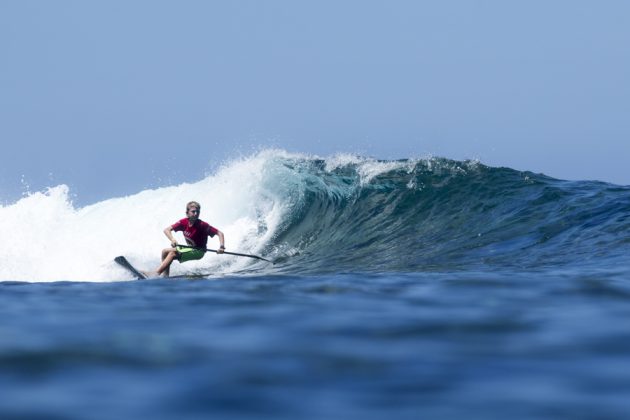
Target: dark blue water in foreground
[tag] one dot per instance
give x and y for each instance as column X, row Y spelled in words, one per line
column 449, row 290
column 440, row 345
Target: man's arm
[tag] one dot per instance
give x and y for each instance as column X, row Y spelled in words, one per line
column 221, row 241
column 169, row 235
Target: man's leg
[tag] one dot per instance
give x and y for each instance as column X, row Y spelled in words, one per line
column 168, row 255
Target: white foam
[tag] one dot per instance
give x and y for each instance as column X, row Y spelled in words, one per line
column 47, row 239
column 367, row 168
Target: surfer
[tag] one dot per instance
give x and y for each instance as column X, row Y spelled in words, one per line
column 196, row 233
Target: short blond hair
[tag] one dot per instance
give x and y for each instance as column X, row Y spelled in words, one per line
column 193, row 204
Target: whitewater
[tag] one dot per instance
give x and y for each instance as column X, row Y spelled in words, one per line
column 247, row 199
column 410, row 288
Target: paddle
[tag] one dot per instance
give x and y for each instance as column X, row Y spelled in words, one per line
column 226, row 252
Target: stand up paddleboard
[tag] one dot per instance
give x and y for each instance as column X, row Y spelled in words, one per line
column 122, row 261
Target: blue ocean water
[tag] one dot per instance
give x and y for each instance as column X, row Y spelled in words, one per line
column 419, row 288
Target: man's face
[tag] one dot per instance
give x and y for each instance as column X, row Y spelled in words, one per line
column 192, row 213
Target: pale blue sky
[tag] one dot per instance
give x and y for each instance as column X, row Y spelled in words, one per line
column 112, row 97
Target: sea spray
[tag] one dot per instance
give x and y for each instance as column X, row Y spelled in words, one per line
column 53, row 240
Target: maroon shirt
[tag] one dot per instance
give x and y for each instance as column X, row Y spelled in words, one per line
column 197, row 234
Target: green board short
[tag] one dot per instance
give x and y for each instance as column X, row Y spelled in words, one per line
column 189, row 254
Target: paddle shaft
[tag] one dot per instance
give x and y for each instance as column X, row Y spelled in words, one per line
column 226, row 252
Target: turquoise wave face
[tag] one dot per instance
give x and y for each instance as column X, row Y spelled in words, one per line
column 440, row 214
